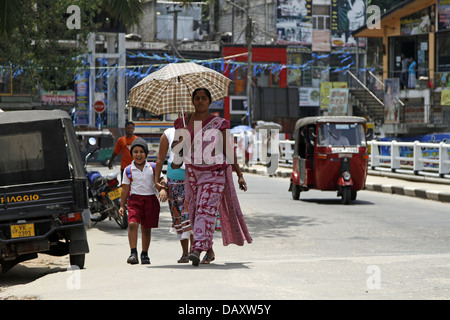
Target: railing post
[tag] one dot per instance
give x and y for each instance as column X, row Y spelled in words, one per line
column 374, row 154
column 444, row 166
column 417, row 155
column 395, row 154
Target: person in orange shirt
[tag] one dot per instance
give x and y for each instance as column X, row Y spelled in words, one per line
column 123, row 145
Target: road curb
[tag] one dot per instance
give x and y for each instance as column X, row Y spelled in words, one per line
column 263, row 172
column 400, row 190
column 410, row 192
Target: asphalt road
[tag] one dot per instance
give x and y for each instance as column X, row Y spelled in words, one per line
column 382, row 246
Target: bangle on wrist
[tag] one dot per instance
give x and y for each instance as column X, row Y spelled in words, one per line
column 240, row 175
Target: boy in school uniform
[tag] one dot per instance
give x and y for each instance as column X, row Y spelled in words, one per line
column 139, row 190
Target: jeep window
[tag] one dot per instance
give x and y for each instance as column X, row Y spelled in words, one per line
column 24, row 152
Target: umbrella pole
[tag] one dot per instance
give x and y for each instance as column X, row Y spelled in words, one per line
column 182, row 109
column 182, row 114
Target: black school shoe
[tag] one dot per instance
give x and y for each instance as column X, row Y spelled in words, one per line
column 133, row 259
column 145, row 259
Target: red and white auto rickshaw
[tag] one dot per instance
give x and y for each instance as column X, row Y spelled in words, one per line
column 330, row 155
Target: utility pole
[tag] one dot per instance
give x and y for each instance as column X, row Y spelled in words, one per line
column 249, row 39
column 175, row 23
column 249, row 69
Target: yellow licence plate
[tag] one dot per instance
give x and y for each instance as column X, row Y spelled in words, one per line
column 22, row 230
column 115, row 193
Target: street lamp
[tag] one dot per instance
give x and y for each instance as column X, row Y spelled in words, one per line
column 249, row 39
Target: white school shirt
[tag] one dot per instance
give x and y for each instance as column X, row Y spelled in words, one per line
column 170, row 135
column 143, row 181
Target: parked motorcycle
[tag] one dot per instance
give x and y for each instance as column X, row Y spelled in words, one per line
column 104, row 195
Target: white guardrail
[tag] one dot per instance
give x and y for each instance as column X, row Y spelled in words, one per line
column 418, row 158
column 421, row 158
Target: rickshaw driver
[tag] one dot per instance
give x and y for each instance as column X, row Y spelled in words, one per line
column 336, row 139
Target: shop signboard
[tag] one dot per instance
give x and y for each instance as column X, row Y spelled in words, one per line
column 325, row 88
column 346, row 16
column 444, row 15
column 57, row 98
column 445, row 97
column 391, row 100
column 294, row 22
column 82, row 99
column 419, row 22
column 309, row 97
column 338, row 105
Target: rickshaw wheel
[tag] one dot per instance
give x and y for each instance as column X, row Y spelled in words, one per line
column 295, row 192
column 346, row 195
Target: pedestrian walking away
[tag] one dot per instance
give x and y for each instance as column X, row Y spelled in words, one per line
column 139, row 191
column 412, row 69
column 122, row 147
column 209, row 182
column 404, row 72
column 175, row 182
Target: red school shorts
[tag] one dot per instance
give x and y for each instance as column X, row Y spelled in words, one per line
column 143, row 210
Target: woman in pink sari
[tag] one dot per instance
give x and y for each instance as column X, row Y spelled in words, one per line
column 209, row 182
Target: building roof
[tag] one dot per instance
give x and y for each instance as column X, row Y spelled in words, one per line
column 391, row 18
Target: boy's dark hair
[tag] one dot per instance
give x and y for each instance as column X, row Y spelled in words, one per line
column 208, row 94
column 129, row 122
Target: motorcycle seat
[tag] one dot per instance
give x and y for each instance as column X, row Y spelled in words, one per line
column 112, row 175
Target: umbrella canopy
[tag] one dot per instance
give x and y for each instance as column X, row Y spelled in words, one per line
column 267, row 125
column 239, row 129
column 169, row 89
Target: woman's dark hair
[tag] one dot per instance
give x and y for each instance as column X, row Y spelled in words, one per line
column 208, row 94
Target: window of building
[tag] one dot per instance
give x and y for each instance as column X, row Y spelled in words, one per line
column 321, row 22
column 321, row 17
column 263, row 78
column 443, row 51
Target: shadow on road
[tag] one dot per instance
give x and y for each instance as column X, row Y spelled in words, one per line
column 32, row 270
column 274, row 225
column 211, row 266
column 336, row 201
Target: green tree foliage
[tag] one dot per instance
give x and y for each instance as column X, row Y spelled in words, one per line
column 37, row 44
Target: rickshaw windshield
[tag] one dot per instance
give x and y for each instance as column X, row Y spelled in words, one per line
column 342, row 134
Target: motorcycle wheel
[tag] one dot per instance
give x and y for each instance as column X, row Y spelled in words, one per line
column 346, row 195
column 121, row 221
column 95, row 217
column 295, row 192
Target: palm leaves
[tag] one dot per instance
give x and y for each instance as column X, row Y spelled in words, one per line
column 8, row 14
column 128, row 11
column 31, row 32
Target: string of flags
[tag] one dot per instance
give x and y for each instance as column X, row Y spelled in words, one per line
column 223, row 65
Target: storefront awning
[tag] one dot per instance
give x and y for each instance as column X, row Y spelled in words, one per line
column 391, row 19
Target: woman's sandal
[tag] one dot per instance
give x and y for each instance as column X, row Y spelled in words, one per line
column 207, row 259
column 184, row 258
column 195, row 258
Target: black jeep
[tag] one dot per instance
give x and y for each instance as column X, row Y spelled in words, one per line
column 43, row 188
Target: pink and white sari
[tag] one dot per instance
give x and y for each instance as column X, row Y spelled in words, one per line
column 209, row 188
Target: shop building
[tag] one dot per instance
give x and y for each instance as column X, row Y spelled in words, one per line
column 414, row 101
column 298, row 46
